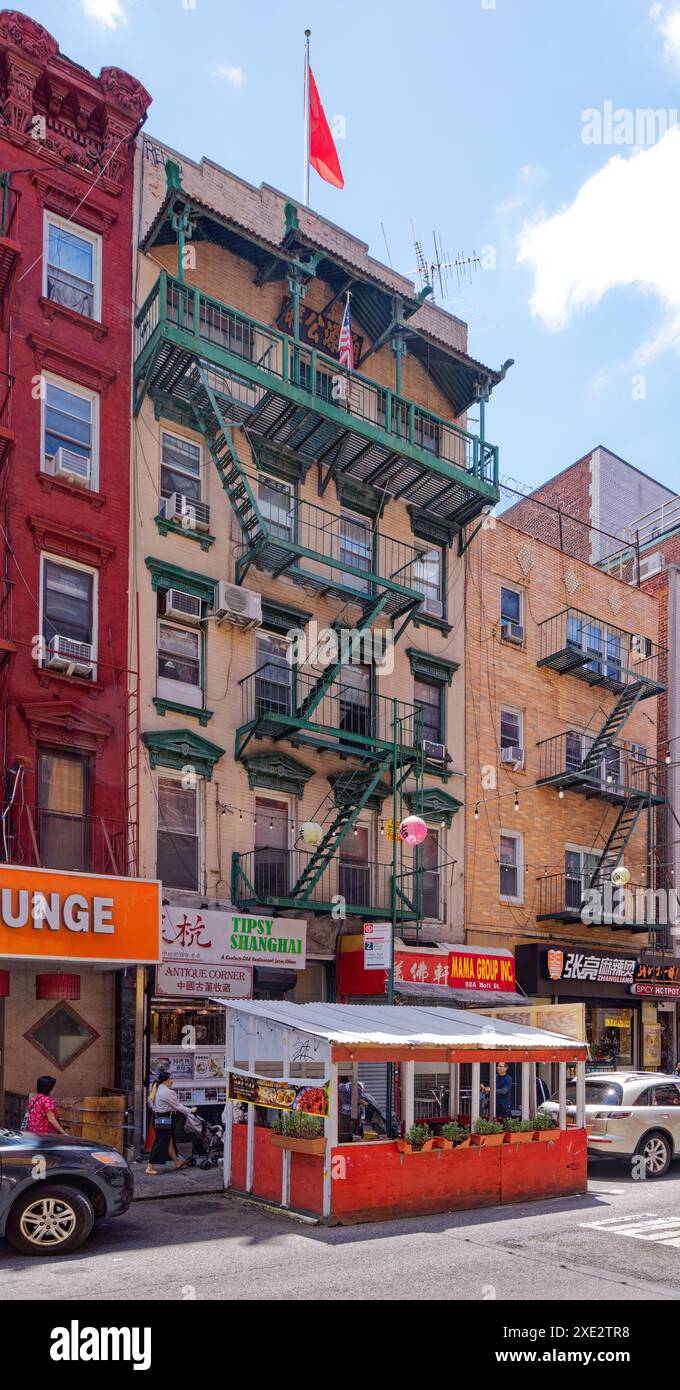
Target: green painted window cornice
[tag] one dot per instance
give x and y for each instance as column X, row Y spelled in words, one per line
column 433, row 804
column 427, row 667
column 182, row 748
column 278, row 617
column 277, row 772
column 166, row 576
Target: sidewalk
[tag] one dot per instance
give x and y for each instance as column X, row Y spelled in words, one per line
column 172, row 1182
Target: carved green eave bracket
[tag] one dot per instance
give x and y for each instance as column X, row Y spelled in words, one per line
column 182, row 748
column 166, row 576
column 434, row 805
column 345, row 791
column 277, row 772
column 431, row 668
column 173, row 177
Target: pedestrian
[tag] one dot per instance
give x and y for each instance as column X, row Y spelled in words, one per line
column 542, row 1092
column 503, row 1092
column 676, row 1069
column 347, row 1125
column 165, row 1106
column 42, row 1116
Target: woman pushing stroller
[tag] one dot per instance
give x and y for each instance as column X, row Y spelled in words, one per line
column 165, row 1106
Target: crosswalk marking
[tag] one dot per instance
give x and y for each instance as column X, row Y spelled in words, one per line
column 663, row 1230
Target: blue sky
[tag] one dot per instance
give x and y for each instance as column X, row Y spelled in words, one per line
column 466, row 117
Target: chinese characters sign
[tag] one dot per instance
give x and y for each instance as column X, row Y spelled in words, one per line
column 591, row 966
column 317, row 329
column 219, row 938
column 174, row 978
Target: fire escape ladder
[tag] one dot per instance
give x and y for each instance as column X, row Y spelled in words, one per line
column 234, row 480
column 356, row 792
column 613, row 725
column 619, row 837
column 347, row 650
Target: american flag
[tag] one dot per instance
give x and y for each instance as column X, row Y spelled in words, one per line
column 345, row 344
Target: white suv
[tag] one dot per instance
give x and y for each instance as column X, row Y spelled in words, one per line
column 629, row 1114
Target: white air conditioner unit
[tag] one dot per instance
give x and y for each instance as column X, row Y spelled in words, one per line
column 640, row 647
column 434, row 607
column 75, row 467
column 178, row 604
column 651, row 564
column 236, row 605
column 514, row 757
column 186, row 512
column 512, row 632
column 75, row 658
column 435, row 752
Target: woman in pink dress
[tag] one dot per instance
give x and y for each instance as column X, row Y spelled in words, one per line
column 42, row 1116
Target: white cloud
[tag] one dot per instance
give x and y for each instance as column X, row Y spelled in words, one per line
column 110, row 13
column 620, row 230
column 667, row 21
column 229, row 74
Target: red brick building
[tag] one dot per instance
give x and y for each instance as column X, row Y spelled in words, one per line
column 66, row 195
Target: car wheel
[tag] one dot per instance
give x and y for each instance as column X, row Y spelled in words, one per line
column 657, row 1153
column 50, row 1221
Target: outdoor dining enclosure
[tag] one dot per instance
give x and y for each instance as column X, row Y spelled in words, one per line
column 285, row 1059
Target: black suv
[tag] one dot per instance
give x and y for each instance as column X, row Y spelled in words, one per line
column 52, row 1188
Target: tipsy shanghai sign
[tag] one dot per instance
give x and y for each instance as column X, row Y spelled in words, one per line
column 225, row 938
column 275, row 1094
column 46, row 914
column 481, row 970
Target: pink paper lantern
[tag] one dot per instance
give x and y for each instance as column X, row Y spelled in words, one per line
column 413, row 830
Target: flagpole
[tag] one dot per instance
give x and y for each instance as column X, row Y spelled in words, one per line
column 305, row 195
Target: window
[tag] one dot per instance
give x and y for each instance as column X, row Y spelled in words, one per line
column 597, row 1093
column 354, row 873
column 181, row 466
column 427, row 697
column 512, row 728
column 511, row 606
column 62, row 1035
column 574, row 751
column 668, row 1094
column 62, row 784
column 275, row 501
column 426, row 433
column 179, row 665
column 68, row 612
column 428, row 579
column 177, row 855
column 354, row 700
column 274, row 676
column 610, row 1031
column 431, row 881
column 70, row 432
column 579, row 867
column 356, row 548
column 510, row 867
column 72, row 275
column 603, row 645
column 272, row 853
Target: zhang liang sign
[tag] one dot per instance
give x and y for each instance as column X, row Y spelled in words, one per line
column 216, row 938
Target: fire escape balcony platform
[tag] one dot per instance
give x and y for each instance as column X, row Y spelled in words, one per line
column 579, row 644
column 562, row 899
column 341, row 723
column 622, row 773
column 264, row 878
column 288, row 395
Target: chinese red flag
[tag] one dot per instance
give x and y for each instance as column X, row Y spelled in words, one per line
column 323, row 155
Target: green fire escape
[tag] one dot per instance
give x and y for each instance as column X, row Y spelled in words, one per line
column 253, row 392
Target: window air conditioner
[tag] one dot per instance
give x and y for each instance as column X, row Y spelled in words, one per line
column 513, row 756
column 435, row 752
column 640, row 647
column 75, row 467
column 186, row 512
column 434, row 607
column 75, row 658
column 512, row 632
column 237, row 605
column 178, row 604
column 651, row 564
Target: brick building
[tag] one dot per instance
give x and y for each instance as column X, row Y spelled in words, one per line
column 66, row 142
column 563, row 678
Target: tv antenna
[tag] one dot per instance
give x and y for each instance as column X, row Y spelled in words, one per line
column 437, row 272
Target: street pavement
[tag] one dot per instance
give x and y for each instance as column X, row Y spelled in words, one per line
column 621, row 1240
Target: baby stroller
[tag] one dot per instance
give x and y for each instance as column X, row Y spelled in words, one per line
column 207, row 1142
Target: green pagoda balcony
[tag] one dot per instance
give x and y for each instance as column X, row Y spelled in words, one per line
column 349, row 719
column 298, row 400
column 265, row 877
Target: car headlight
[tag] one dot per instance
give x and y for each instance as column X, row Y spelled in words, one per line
column 111, row 1158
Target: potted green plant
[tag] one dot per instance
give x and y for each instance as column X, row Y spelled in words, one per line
column 487, row 1132
column 419, row 1139
column 543, row 1126
column 453, row 1135
column 519, row 1131
column 298, row 1133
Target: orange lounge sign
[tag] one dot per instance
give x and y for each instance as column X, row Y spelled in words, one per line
column 481, row 970
column 47, row 914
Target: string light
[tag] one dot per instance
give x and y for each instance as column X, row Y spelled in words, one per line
column 477, row 811
column 561, row 793
column 667, row 759
column 516, row 801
